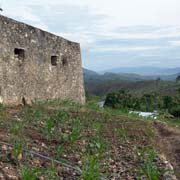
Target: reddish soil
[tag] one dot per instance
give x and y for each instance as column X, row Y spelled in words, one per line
column 168, row 143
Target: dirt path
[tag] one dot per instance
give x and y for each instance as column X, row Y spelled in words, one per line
column 168, row 143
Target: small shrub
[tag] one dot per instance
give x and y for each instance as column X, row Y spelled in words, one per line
column 150, row 171
column 96, row 146
column 91, row 169
column 29, row 174
column 51, row 173
column 17, row 148
column 49, row 128
column 76, row 131
column 175, row 111
column 62, row 116
column 60, row 150
column 16, row 128
column 148, row 168
column 168, row 101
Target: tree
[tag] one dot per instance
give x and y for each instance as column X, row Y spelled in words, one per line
column 175, row 111
column 168, row 101
column 178, row 78
column 178, row 91
column 119, row 99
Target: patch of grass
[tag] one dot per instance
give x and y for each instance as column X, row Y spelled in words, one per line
column 148, row 168
column 96, row 145
column 74, row 135
column 123, row 134
column 3, row 114
column 91, row 169
column 49, row 128
column 16, row 128
column 17, row 148
column 149, row 132
column 60, row 150
column 62, row 116
column 51, row 173
column 29, row 174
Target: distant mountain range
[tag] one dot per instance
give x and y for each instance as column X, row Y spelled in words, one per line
column 131, row 74
column 102, row 84
column 144, row 70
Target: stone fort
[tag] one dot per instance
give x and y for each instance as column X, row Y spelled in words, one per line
column 37, row 65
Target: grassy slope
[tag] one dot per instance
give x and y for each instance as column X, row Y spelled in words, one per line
column 102, row 143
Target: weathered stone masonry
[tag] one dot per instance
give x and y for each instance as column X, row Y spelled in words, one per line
column 35, row 64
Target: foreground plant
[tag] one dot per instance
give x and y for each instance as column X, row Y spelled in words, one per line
column 91, row 169
column 17, row 148
column 148, row 168
column 29, row 174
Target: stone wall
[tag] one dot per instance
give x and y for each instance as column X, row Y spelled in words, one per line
column 35, row 64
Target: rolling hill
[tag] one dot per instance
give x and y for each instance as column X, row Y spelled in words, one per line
column 145, row 71
column 102, row 84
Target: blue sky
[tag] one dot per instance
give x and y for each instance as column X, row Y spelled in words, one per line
column 116, row 33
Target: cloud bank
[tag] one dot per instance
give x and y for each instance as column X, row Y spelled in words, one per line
column 112, row 33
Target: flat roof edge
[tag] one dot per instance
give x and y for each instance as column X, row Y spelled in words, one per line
column 53, row 34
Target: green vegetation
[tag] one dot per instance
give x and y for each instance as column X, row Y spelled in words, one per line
column 96, row 142
column 91, row 170
column 178, row 79
column 17, row 148
column 147, row 102
column 136, row 88
column 148, row 167
column 29, row 174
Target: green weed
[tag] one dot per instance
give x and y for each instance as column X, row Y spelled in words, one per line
column 16, row 128
column 17, row 148
column 60, row 150
column 91, row 169
column 49, row 128
column 62, row 116
column 123, row 134
column 51, row 173
column 96, row 145
column 148, row 167
column 29, row 174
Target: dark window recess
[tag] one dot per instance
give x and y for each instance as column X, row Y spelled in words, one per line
column 24, row 101
column 64, row 61
column 19, row 53
column 54, row 60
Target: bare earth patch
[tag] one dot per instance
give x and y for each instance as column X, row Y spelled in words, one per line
column 169, row 144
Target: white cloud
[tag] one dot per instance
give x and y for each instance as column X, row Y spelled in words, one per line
column 25, row 14
column 121, row 12
column 126, row 49
column 91, row 21
column 159, row 32
column 85, row 40
column 174, row 43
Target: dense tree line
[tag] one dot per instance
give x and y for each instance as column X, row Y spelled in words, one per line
column 146, row 102
column 138, row 88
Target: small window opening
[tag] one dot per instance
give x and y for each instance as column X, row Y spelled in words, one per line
column 54, row 60
column 24, row 101
column 19, row 53
column 64, row 60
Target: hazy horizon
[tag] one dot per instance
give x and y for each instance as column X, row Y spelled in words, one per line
column 159, row 67
column 132, row 67
column 113, row 33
